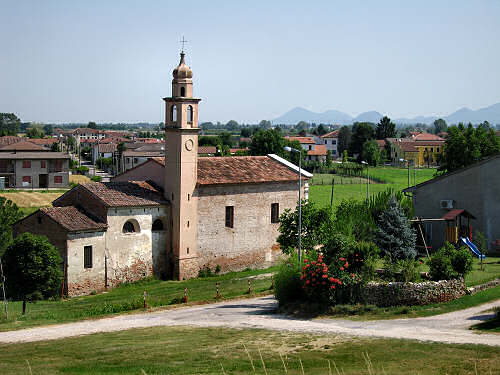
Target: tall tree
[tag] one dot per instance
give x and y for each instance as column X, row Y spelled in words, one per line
column 32, row 268
column 371, row 153
column 35, row 131
column 92, row 125
column 344, row 139
column 232, row 125
column 385, row 128
column 439, row 126
column 361, row 132
column 267, row 142
column 466, row 145
column 265, row 124
column 48, row 129
column 9, row 124
column 9, row 214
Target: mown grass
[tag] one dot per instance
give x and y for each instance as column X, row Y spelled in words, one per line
column 181, row 350
column 129, row 297
column 395, row 178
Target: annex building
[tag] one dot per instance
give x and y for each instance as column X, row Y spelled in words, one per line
column 172, row 215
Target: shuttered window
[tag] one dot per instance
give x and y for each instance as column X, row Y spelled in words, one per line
column 87, row 256
column 275, row 212
column 229, row 216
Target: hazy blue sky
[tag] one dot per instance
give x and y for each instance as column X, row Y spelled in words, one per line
column 80, row 61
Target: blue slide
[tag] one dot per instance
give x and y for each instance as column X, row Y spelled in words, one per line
column 472, row 247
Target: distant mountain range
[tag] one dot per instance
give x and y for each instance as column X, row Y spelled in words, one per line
column 465, row 115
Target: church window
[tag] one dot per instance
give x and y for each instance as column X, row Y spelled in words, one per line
column 87, row 256
column 190, row 114
column 157, row 225
column 130, row 227
column 230, row 216
column 173, row 113
column 183, row 91
column 275, row 212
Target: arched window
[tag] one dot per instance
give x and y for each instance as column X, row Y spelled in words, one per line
column 131, row 226
column 183, row 91
column 173, row 114
column 190, row 113
column 157, row 225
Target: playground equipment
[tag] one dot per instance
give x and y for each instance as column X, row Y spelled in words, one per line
column 472, row 247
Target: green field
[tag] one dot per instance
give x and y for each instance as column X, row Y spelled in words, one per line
column 355, row 187
column 221, row 351
column 128, row 297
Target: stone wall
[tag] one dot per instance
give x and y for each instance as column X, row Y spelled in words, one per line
column 251, row 243
column 410, row 294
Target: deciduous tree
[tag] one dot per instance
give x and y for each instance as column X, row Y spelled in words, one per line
column 32, row 269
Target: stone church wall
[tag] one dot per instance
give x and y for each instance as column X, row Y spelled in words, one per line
column 251, row 243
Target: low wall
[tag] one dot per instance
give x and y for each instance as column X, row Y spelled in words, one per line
column 410, row 294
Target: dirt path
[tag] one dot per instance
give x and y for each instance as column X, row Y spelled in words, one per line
column 258, row 313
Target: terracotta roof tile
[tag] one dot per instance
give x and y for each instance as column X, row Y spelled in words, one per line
column 33, row 155
column 44, row 141
column 426, row 137
column 302, row 140
column 106, row 147
column 240, row 170
column 9, row 139
column 207, row 150
column 24, row 146
column 125, row 194
column 333, row 134
column 71, row 219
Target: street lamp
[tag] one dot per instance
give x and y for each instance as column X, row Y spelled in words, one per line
column 408, row 163
column 367, row 180
column 291, row 149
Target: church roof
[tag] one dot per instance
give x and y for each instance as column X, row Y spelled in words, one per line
column 241, row 170
column 71, row 219
column 126, row 194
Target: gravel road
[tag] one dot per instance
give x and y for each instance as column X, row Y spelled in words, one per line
column 259, row 313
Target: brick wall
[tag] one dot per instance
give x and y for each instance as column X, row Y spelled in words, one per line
column 252, row 240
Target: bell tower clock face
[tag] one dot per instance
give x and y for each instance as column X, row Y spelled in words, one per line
column 189, row 144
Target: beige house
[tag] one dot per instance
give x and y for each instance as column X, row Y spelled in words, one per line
column 173, row 215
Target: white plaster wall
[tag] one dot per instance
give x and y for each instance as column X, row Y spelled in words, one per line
column 130, row 255
column 83, row 280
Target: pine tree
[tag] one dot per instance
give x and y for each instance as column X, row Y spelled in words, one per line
column 394, row 234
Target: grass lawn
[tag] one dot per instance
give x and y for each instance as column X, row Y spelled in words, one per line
column 129, row 297
column 31, row 199
column 180, row 350
column 396, row 178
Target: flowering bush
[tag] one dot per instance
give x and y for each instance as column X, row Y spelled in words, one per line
column 317, row 282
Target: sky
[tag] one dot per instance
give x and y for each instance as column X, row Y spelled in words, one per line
column 111, row 61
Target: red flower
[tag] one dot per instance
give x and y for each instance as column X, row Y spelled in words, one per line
column 331, row 279
column 325, row 276
column 346, row 265
column 342, row 259
column 352, row 275
column 332, row 287
column 356, row 254
column 305, row 261
column 307, row 281
column 341, row 268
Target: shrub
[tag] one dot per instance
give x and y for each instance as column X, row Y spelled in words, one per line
column 394, row 234
column 318, row 284
column 287, row 284
column 363, row 260
column 353, row 219
column 337, row 245
column 450, row 263
column 96, row 178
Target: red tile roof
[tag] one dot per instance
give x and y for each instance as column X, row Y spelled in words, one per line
column 71, row 219
column 125, row 194
column 44, row 141
column 333, row 134
column 426, row 137
column 319, row 150
column 9, row 139
column 24, row 146
column 207, row 150
column 381, row 143
column 108, row 148
column 408, row 146
column 240, row 170
column 302, row 140
column 452, row 214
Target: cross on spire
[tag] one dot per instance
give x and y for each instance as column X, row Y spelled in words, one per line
column 183, row 42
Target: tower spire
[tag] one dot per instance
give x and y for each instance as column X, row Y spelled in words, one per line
column 183, row 42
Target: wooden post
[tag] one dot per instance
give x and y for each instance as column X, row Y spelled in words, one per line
column 145, row 299
column 217, row 288
column 249, row 288
column 423, row 239
column 185, row 295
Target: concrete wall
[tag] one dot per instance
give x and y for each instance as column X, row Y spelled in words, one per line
column 36, row 170
column 153, row 171
column 475, row 189
column 252, row 240
column 133, row 256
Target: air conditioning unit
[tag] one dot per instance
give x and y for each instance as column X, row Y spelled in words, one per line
column 448, row 204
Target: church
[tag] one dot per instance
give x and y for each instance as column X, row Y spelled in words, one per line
column 173, row 215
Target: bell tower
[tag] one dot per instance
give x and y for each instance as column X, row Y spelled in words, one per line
column 181, row 162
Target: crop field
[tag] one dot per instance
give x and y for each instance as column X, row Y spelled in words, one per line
column 356, row 187
column 31, row 199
